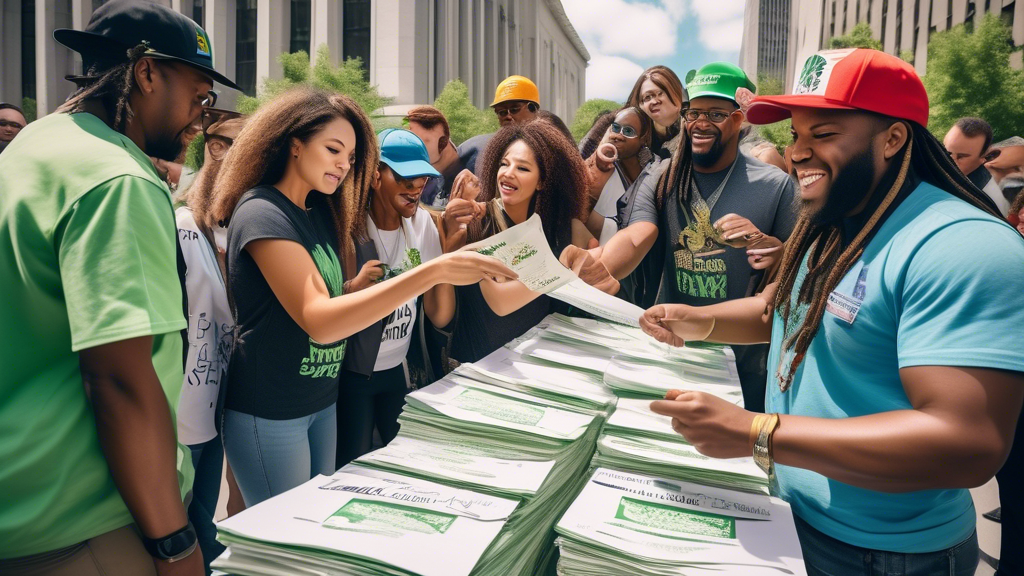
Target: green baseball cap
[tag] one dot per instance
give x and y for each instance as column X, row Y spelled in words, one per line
column 718, row 80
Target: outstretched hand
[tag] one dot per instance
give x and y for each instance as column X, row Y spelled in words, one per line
column 589, row 269
column 715, row 427
column 674, row 324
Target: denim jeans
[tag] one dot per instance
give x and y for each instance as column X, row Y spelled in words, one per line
column 269, row 457
column 208, row 460
column 826, row 556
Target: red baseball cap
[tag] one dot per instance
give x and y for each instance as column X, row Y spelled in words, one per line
column 854, row 79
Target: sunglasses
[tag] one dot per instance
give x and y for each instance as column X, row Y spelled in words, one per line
column 716, row 117
column 11, row 124
column 513, row 110
column 626, row 131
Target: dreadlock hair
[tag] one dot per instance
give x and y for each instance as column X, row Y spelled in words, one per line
column 678, row 174
column 263, row 149
column 563, row 197
column 830, row 259
column 112, row 86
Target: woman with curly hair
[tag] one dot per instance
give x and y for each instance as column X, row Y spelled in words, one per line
column 526, row 169
column 293, row 192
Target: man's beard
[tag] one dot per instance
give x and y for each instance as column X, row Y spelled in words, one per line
column 168, row 148
column 713, row 155
column 849, row 188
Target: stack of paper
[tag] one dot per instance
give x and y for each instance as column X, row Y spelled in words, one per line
column 625, row 524
column 367, row 523
column 637, row 440
column 501, row 442
column 629, row 378
column 630, row 362
column 568, row 388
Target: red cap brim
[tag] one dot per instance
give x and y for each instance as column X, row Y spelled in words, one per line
column 772, row 109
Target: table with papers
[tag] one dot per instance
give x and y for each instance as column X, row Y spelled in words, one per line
column 543, row 458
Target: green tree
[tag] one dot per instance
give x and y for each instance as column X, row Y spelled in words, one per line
column 28, row 106
column 346, row 78
column 587, row 113
column 969, row 74
column 859, row 37
column 779, row 133
column 464, row 119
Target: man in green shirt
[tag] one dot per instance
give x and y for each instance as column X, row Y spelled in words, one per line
column 92, row 477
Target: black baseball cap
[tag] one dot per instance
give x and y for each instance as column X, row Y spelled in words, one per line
column 120, row 25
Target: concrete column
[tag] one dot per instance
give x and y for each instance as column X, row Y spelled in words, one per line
column 10, row 45
column 393, row 56
column 1018, row 26
column 53, row 61
column 273, row 20
column 921, row 50
column 219, row 23
column 939, row 13
column 325, row 28
column 486, row 92
column 876, row 20
column 959, row 11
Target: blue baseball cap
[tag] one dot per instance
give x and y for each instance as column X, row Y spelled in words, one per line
column 405, row 153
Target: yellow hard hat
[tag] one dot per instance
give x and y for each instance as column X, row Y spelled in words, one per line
column 516, row 88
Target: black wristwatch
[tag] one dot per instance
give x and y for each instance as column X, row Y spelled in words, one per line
column 174, row 546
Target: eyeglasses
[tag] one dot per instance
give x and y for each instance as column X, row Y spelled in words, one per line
column 692, row 115
column 626, row 131
column 513, row 110
column 211, row 99
column 11, row 124
column 651, row 96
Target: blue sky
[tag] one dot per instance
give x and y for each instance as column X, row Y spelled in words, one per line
column 626, row 36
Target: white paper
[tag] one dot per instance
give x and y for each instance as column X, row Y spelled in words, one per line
column 504, row 365
column 682, row 524
column 524, row 248
column 499, row 408
column 415, row 525
column 677, row 453
column 463, row 463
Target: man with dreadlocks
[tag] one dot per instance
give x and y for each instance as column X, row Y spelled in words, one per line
column 895, row 335
column 713, row 222
column 90, row 334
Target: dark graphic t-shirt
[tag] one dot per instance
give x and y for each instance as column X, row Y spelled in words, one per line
column 277, row 371
column 699, row 269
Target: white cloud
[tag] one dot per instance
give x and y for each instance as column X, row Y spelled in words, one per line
column 719, row 23
column 625, row 28
column 611, row 77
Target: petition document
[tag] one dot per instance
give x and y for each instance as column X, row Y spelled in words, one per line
column 524, row 248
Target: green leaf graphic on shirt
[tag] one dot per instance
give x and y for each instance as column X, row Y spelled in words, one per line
column 329, row 267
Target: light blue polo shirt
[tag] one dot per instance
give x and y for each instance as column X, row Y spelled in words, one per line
column 940, row 284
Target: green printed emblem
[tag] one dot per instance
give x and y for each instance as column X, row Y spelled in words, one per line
column 359, row 513
column 329, row 267
column 662, row 517
column 810, row 76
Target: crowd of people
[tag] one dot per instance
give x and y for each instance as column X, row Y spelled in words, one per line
column 273, row 313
